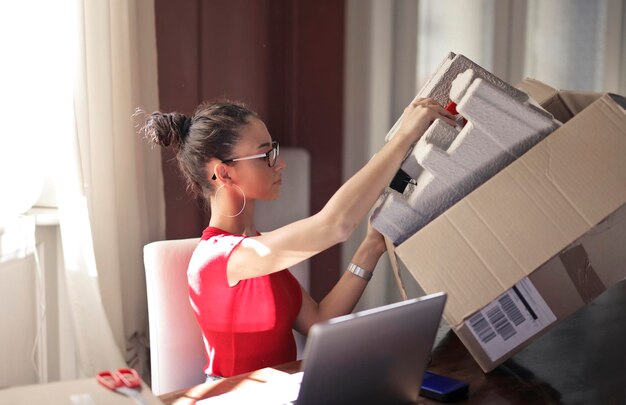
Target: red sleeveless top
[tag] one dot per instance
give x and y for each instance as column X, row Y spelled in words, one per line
column 247, row 326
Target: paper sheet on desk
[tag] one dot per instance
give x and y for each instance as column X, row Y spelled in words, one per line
column 283, row 390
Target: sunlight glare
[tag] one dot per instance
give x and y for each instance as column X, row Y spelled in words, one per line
column 35, row 78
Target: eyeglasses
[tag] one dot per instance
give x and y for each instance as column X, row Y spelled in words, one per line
column 271, row 156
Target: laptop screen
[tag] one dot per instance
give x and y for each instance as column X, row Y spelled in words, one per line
column 373, row 356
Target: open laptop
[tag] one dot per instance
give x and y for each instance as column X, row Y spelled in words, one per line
column 377, row 356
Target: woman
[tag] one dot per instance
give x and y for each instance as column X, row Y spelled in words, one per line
column 245, row 301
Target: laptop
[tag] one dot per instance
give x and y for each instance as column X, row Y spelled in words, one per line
column 377, row 356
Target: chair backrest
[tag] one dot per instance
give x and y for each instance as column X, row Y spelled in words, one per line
column 176, row 345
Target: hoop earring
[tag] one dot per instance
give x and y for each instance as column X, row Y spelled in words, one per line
column 242, row 193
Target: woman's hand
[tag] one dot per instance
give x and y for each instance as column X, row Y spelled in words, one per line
column 419, row 115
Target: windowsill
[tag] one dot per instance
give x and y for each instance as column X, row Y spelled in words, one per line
column 44, row 216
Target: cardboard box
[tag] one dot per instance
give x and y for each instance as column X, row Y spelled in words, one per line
column 539, row 240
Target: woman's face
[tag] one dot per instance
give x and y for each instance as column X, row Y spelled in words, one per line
column 254, row 176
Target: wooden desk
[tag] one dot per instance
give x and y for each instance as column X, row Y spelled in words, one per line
column 214, row 388
column 580, row 361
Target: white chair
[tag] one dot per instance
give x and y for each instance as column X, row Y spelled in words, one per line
column 176, row 346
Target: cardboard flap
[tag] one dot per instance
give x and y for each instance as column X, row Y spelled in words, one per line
column 539, row 91
column 547, row 97
column 576, row 101
column 562, row 104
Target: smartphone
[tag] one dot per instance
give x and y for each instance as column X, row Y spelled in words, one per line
column 443, row 389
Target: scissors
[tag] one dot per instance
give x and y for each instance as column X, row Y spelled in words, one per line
column 123, row 380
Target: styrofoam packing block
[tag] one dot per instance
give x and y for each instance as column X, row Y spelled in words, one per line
column 467, row 82
column 448, row 164
column 439, row 134
column 398, row 215
column 509, row 125
column 438, row 86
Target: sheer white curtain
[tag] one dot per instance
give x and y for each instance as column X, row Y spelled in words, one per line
column 577, row 44
column 570, row 44
column 115, row 205
column 84, row 70
column 72, row 75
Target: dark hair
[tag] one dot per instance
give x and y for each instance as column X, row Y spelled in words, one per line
column 212, row 132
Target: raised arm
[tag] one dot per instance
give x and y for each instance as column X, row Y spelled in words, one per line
column 295, row 242
column 348, row 290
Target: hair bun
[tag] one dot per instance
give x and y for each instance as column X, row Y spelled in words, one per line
column 167, row 129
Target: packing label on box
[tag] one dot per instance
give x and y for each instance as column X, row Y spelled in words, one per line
column 510, row 319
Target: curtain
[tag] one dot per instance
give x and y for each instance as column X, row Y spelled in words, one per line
column 110, row 197
column 569, row 44
column 586, row 38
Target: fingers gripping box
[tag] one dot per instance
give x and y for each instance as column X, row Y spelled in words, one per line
column 537, row 241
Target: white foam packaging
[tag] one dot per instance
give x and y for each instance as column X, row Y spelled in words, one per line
column 448, row 163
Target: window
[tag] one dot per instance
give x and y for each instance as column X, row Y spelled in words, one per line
column 36, row 98
column 568, row 44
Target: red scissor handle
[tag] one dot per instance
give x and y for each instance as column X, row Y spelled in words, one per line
column 108, row 379
column 122, row 376
column 129, row 377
